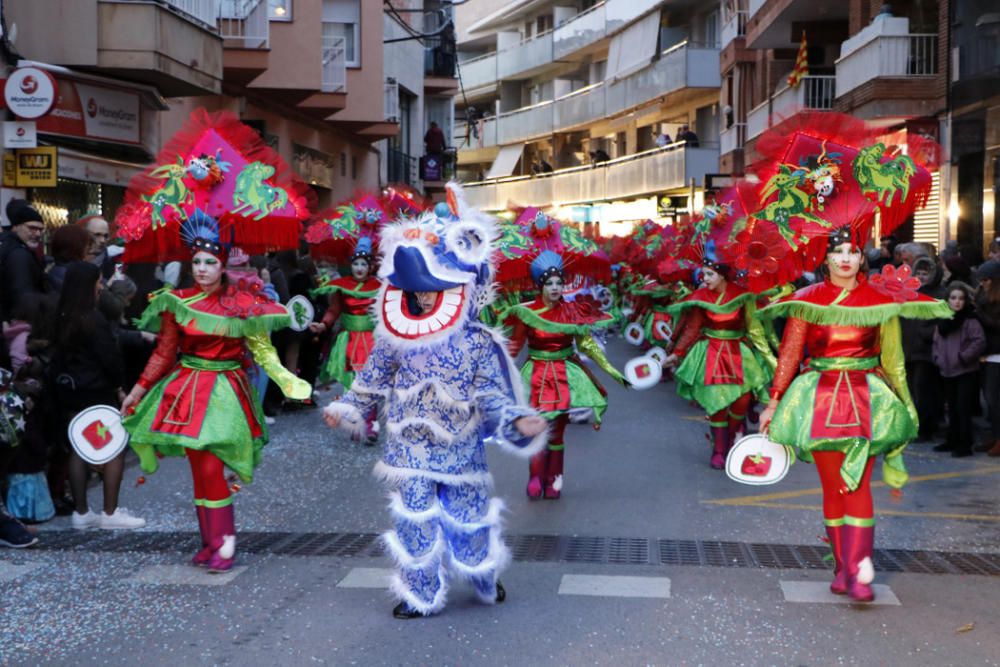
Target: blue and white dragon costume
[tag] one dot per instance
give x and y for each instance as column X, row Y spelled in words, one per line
column 445, row 385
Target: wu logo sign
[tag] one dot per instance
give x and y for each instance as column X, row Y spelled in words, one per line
column 35, row 161
column 36, row 167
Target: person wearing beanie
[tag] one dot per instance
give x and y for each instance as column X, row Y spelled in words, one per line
column 21, row 267
column 922, row 375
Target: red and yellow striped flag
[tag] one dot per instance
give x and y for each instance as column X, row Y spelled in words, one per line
column 801, row 68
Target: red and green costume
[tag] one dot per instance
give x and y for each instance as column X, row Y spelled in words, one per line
column 350, row 304
column 560, row 386
column 847, row 404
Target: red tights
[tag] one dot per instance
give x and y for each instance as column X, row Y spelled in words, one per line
column 857, row 503
column 557, row 429
column 207, row 474
column 734, row 413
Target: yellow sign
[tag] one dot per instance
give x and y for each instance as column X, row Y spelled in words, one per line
column 9, row 170
column 36, row 167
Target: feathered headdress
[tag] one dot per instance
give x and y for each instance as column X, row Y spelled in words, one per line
column 200, row 233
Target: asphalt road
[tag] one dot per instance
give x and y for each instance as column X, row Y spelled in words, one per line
column 649, row 558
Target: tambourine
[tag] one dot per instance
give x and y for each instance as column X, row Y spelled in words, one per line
column 757, row 461
column 634, row 334
column 301, row 310
column 643, row 372
column 658, row 354
column 663, row 330
column 97, row 434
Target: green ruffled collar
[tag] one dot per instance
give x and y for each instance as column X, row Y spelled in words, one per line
column 184, row 311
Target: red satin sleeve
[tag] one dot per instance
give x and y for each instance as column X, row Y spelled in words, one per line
column 793, row 345
column 164, row 357
column 518, row 336
column 691, row 331
column 333, row 312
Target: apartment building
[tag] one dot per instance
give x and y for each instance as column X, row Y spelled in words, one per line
column 884, row 62
column 574, row 105
column 307, row 74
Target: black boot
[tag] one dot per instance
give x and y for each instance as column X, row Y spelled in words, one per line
column 405, row 611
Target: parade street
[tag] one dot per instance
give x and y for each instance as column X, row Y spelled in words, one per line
column 649, row 558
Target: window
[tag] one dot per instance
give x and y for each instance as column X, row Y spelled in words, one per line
column 279, row 10
column 342, row 18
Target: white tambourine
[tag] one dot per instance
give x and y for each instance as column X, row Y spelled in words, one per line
column 97, row 434
column 643, row 372
column 757, row 461
column 634, row 334
column 663, row 330
column 301, row 310
column 658, row 354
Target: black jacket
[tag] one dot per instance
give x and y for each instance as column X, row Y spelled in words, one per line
column 21, row 272
column 988, row 315
column 918, row 335
column 92, row 363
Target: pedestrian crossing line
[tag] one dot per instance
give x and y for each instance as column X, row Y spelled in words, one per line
column 818, row 592
column 11, row 571
column 366, row 577
column 599, row 585
column 183, row 575
column 817, row 491
column 885, row 512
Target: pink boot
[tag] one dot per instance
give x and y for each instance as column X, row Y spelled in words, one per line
column 720, row 446
column 554, row 474
column 222, row 525
column 536, row 470
column 839, row 584
column 201, row 558
column 858, row 543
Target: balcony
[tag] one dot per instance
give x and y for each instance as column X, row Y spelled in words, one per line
column 814, row 92
column 776, row 24
column 887, row 55
column 734, row 27
column 583, row 30
column 732, row 138
column 526, row 57
column 620, row 13
column 478, row 72
column 680, row 68
column 245, row 31
column 646, row 173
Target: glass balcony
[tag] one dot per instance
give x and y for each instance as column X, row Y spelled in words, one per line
column 620, row 13
column 732, row 138
column 682, row 66
column 814, row 92
column 244, row 23
column 735, row 26
column 525, row 56
column 526, row 123
column 581, row 31
column 758, row 119
column 581, row 107
column 479, row 72
column 645, row 173
column 887, row 55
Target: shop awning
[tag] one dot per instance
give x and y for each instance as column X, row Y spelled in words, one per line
column 634, row 47
column 505, row 161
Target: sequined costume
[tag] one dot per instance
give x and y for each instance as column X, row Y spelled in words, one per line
column 350, row 304
column 444, row 382
column 843, row 396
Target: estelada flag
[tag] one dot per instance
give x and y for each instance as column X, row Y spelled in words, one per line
column 801, row 68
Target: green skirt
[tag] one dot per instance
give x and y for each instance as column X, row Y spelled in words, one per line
column 578, row 395
column 225, row 429
column 690, row 379
column 891, row 425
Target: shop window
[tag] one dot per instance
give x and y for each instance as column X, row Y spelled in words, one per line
column 279, row 10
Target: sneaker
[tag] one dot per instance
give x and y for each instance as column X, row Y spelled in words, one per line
column 14, row 535
column 86, row 521
column 121, row 520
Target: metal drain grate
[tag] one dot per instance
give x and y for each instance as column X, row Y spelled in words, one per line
column 544, row 548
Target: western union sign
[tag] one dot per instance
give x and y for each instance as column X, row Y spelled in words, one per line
column 36, row 167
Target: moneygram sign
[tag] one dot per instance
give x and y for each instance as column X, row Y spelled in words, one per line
column 94, row 112
column 30, row 92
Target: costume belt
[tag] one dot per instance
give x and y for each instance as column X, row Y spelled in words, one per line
column 202, row 364
column 723, row 334
column 357, row 322
column 554, row 355
column 843, row 363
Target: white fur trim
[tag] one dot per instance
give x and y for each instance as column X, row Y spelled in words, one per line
column 228, row 548
column 536, row 445
column 351, row 419
column 440, row 391
column 439, row 432
column 358, row 388
column 405, row 559
column 401, row 512
column 398, row 588
column 866, row 571
column 395, row 475
column 492, row 518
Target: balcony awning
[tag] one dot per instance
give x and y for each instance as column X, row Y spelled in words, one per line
column 505, row 161
column 633, row 48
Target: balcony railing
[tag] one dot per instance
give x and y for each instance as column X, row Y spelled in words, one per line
column 391, row 91
column 202, row 11
column 732, row 138
column 580, row 31
column 478, row 72
column 813, row 92
column 483, row 134
column 334, row 60
column 735, row 26
column 887, row 55
column 644, row 173
column 680, row 67
column 622, row 12
column 524, row 56
column 245, row 22
column 401, row 168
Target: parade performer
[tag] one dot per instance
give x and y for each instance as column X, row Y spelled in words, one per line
column 724, row 358
column 559, row 385
column 351, row 299
column 445, row 382
column 850, row 402
column 200, row 362
column 214, row 186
